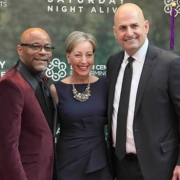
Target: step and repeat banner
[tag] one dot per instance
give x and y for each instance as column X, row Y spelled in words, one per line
column 60, row 17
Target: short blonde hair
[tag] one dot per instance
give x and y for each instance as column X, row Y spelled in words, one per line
column 76, row 37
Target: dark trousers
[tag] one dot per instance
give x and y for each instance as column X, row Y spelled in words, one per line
column 128, row 168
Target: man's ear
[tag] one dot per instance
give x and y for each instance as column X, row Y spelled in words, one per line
column 146, row 26
column 19, row 50
column 114, row 32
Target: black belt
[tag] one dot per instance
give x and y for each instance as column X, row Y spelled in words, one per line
column 131, row 156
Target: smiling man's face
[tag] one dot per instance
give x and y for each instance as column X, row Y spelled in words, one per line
column 130, row 28
column 36, row 61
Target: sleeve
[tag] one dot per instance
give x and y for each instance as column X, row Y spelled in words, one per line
column 107, row 67
column 174, row 86
column 11, row 107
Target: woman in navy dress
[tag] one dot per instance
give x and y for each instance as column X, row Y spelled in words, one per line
column 82, row 106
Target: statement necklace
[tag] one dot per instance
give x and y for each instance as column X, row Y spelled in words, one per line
column 82, row 96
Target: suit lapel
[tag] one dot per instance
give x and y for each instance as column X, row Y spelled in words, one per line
column 148, row 67
column 54, row 115
column 34, row 84
column 54, row 109
column 112, row 81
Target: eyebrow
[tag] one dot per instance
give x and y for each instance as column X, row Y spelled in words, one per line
column 128, row 24
column 39, row 43
column 81, row 52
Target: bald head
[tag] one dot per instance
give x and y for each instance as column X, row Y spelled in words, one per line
column 130, row 27
column 129, row 8
column 35, row 50
column 27, row 34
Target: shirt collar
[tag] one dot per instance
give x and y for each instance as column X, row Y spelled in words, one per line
column 140, row 54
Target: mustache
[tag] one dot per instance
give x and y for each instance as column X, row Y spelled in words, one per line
column 41, row 59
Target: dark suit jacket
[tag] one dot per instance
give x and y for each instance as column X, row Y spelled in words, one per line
column 156, row 125
column 26, row 140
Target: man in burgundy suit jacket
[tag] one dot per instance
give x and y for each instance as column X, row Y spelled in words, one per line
column 27, row 115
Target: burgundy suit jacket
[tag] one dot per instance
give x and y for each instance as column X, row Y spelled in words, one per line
column 26, row 140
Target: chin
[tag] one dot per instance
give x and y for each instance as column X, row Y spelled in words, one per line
column 40, row 69
column 84, row 74
column 133, row 49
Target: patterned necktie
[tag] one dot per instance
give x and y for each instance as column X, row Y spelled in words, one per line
column 120, row 148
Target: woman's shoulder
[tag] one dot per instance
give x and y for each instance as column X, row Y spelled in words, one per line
column 103, row 79
column 66, row 80
column 100, row 81
column 62, row 82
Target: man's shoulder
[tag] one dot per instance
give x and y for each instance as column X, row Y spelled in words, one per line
column 117, row 55
column 161, row 53
column 12, row 75
column 13, row 78
column 113, row 59
column 9, row 74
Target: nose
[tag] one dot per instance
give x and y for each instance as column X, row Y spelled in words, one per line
column 129, row 32
column 43, row 51
column 83, row 60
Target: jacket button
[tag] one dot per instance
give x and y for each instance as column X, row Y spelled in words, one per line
column 51, row 158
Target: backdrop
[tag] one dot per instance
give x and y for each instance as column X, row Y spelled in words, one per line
column 60, row 17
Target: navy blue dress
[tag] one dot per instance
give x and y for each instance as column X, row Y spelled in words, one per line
column 81, row 146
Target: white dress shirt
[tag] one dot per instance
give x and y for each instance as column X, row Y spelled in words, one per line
column 137, row 69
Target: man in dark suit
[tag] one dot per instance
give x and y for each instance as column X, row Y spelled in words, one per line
column 146, row 145
column 28, row 113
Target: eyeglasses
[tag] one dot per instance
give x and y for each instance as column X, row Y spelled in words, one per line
column 38, row 47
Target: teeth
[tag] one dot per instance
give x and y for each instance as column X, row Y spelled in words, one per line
column 83, row 67
column 131, row 39
column 41, row 59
